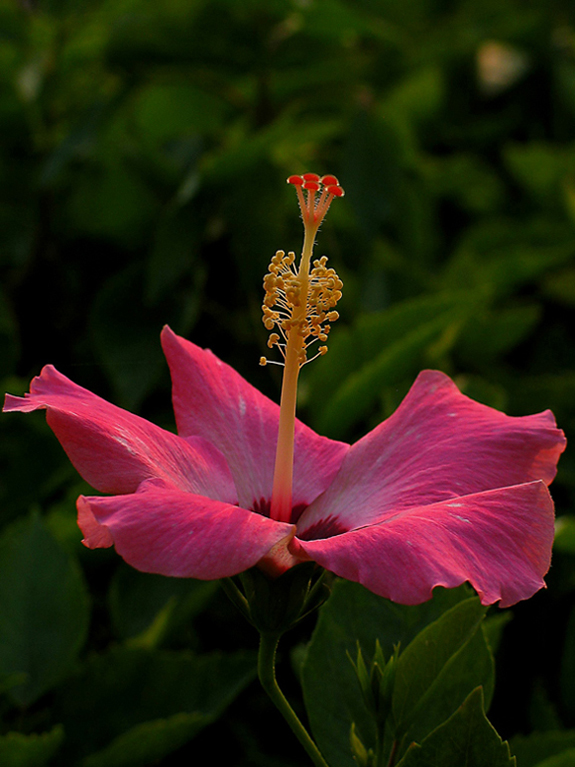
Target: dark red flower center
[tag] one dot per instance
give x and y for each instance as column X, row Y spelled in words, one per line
column 325, row 528
column 263, row 507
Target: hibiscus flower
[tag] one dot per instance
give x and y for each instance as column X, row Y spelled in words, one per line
column 444, row 491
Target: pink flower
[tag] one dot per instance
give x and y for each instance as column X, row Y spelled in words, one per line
column 444, row 491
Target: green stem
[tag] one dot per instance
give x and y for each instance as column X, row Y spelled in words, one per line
column 267, row 677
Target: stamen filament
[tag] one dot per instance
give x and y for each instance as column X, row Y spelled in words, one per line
column 299, row 304
column 281, row 502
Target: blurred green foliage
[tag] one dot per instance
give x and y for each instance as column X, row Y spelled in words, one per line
column 143, row 160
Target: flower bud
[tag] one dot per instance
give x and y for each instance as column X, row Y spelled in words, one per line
column 361, row 756
column 376, row 681
column 274, row 605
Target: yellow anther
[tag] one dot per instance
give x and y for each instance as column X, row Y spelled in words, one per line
column 299, row 302
column 263, row 361
column 273, row 339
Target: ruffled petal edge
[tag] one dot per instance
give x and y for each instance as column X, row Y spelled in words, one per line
column 499, row 540
column 160, row 529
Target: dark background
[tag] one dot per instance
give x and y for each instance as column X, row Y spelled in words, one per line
column 144, row 153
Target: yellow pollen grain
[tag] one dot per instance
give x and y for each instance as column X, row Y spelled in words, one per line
column 287, row 291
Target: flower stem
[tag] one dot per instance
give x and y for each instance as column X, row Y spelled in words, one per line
column 267, row 677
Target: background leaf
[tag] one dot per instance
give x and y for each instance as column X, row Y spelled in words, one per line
column 138, row 600
column 18, row 750
column 467, row 739
column 439, row 668
column 43, row 609
column 148, row 742
column 138, row 695
column 331, row 691
column 535, row 749
column 143, row 161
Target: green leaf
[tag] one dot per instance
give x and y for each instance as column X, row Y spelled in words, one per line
column 381, row 350
column 467, row 180
column 33, row 463
column 411, row 104
column 173, row 253
column 536, row 749
column 418, row 96
column 565, row 534
column 560, row 286
column 493, row 627
column 124, row 203
column 138, row 600
column 492, row 333
column 149, row 742
column 8, row 338
column 165, row 110
column 332, row 693
column 565, row 83
column 126, row 334
column 539, row 167
column 466, row 739
column 438, row 670
column 133, row 687
column 336, row 20
column 355, row 398
column 19, row 750
column 43, row 609
column 564, row 759
column 352, row 348
column 568, row 665
column 372, row 170
column 542, row 708
column 484, row 391
column 497, row 257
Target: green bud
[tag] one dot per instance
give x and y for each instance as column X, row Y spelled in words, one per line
column 274, row 605
column 376, row 682
column 362, row 756
column 364, row 679
column 386, row 686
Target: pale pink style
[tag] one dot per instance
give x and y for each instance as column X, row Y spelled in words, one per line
column 444, row 491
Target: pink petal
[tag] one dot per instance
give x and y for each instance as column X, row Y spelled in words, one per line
column 499, row 540
column 213, row 401
column 439, row 444
column 161, row 529
column 115, row 450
